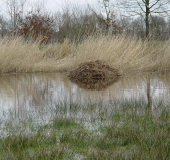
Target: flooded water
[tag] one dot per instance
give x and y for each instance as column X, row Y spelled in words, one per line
column 38, row 97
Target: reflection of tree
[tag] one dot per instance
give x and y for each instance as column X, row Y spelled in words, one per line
column 149, row 98
column 41, row 91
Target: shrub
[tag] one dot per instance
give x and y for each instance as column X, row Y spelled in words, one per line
column 35, row 25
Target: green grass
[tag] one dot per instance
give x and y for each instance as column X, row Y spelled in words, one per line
column 130, row 136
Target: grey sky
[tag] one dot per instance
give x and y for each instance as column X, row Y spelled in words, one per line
column 57, row 4
column 51, row 5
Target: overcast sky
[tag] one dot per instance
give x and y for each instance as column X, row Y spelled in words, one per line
column 50, row 5
column 55, row 4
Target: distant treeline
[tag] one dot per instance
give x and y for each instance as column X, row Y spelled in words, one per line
column 78, row 24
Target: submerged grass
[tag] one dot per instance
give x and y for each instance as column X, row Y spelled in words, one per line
column 126, row 54
column 131, row 135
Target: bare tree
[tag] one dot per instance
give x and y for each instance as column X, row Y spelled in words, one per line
column 3, row 26
column 107, row 18
column 158, row 27
column 40, row 5
column 75, row 23
column 138, row 27
column 13, row 8
column 146, row 9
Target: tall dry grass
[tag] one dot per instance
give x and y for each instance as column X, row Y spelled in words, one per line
column 127, row 54
column 17, row 55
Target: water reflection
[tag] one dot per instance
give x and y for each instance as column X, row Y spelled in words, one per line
column 41, row 96
column 96, row 83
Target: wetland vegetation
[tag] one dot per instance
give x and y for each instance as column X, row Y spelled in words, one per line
column 127, row 54
column 49, row 117
column 45, row 116
column 126, row 134
column 126, row 130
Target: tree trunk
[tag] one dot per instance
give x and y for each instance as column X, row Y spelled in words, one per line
column 147, row 18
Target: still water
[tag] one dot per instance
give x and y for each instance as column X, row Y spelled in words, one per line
column 41, row 96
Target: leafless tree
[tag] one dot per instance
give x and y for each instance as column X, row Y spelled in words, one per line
column 13, row 8
column 146, row 9
column 75, row 23
column 3, row 26
column 40, row 5
column 107, row 18
column 158, row 27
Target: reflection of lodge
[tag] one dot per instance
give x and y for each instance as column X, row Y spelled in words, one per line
column 43, row 91
column 96, row 83
column 37, row 98
column 94, row 75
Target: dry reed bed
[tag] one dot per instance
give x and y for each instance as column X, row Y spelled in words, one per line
column 126, row 54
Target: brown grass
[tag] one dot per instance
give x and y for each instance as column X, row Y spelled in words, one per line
column 126, row 54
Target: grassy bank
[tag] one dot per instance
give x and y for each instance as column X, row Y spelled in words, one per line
column 126, row 54
column 127, row 135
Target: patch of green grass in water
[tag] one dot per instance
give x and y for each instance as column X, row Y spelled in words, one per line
column 128, row 137
column 79, row 141
column 63, row 123
column 22, row 142
column 150, row 136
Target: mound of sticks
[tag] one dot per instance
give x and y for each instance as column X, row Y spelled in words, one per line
column 94, row 75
